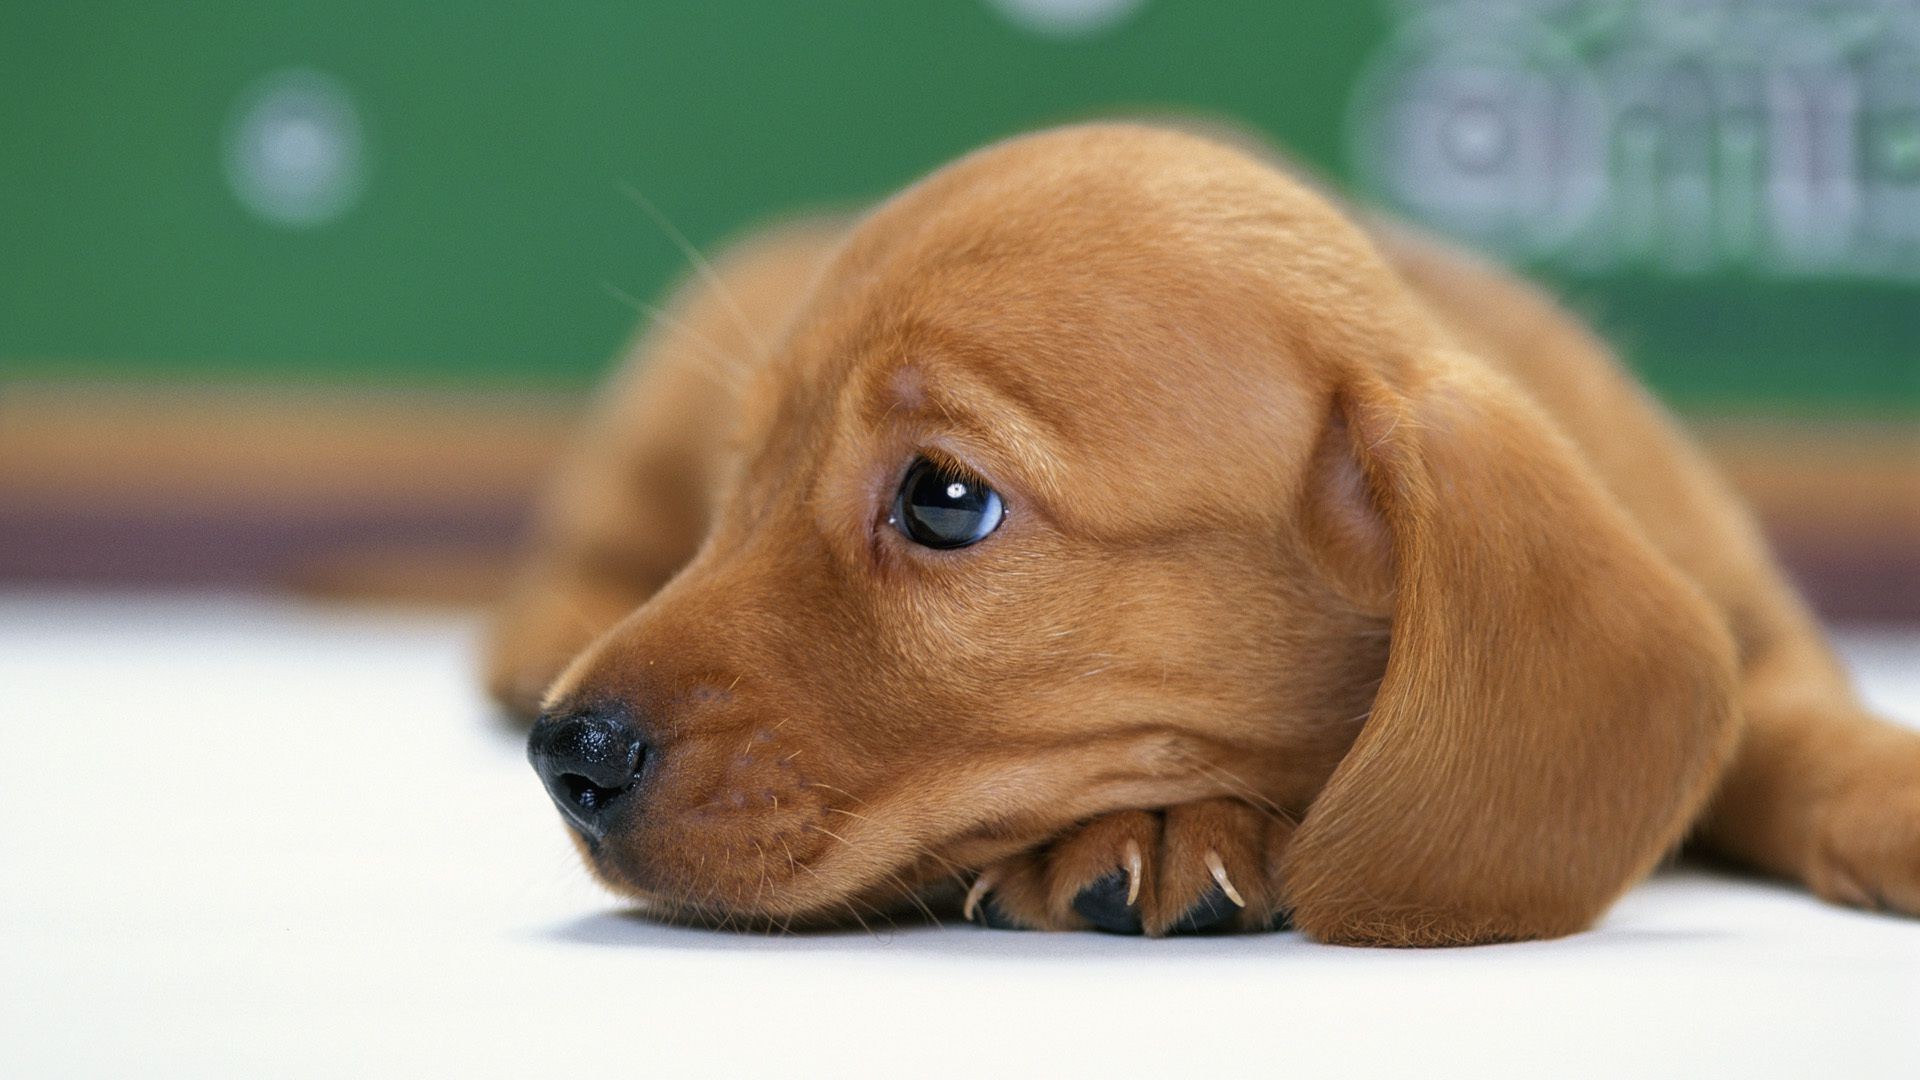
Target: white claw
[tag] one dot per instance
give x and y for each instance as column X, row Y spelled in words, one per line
column 1134, row 871
column 981, row 884
column 1219, row 871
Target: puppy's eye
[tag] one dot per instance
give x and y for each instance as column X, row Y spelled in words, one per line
column 940, row 508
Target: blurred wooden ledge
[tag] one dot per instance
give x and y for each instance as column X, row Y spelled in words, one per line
column 421, row 495
column 403, row 494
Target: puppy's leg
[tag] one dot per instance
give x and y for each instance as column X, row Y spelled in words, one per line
column 1195, row 868
column 1821, row 791
column 632, row 500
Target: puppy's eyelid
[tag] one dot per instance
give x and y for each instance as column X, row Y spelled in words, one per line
column 948, row 464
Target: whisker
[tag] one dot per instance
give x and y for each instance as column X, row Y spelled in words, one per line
column 875, row 911
column 906, row 891
column 700, row 265
column 1246, row 791
column 761, row 889
column 848, row 904
column 723, row 369
column 956, row 871
column 839, row 791
column 830, row 832
column 849, row 813
column 913, row 898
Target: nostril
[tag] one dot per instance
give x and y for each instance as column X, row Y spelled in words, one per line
column 587, row 761
column 586, row 794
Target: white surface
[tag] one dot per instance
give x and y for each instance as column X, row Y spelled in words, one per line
column 247, row 839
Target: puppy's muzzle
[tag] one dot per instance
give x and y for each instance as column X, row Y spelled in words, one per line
column 590, row 762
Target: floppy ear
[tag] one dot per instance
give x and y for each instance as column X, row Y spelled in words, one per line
column 1557, row 698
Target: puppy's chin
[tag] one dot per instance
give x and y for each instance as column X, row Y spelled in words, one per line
column 720, row 835
column 747, row 872
column 759, row 871
column 802, row 900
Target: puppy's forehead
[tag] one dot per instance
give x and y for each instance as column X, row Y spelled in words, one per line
column 1112, row 199
column 1100, row 291
column 1072, row 243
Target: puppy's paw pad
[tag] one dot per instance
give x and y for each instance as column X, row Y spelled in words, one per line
column 1111, row 904
column 989, row 915
column 1211, row 914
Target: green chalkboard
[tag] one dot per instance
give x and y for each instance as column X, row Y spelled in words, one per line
column 419, row 192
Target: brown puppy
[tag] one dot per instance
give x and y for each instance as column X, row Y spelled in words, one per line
column 1110, row 523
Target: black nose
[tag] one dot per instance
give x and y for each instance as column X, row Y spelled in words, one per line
column 589, row 762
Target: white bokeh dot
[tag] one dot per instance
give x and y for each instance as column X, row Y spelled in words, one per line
column 295, row 155
column 1477, row 137
column 1067, row 18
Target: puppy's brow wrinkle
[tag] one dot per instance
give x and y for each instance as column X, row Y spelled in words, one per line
column 1006, row 431
column 909, row 388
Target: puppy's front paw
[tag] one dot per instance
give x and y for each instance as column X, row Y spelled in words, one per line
column 1868, row 849
column 1199, row 867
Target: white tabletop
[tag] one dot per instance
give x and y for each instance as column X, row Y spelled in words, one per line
column 249, row 838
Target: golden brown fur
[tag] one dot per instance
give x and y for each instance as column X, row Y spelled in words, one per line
column 1333, row 558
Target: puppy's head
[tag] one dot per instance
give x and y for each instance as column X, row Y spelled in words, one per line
column 1013, row 538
